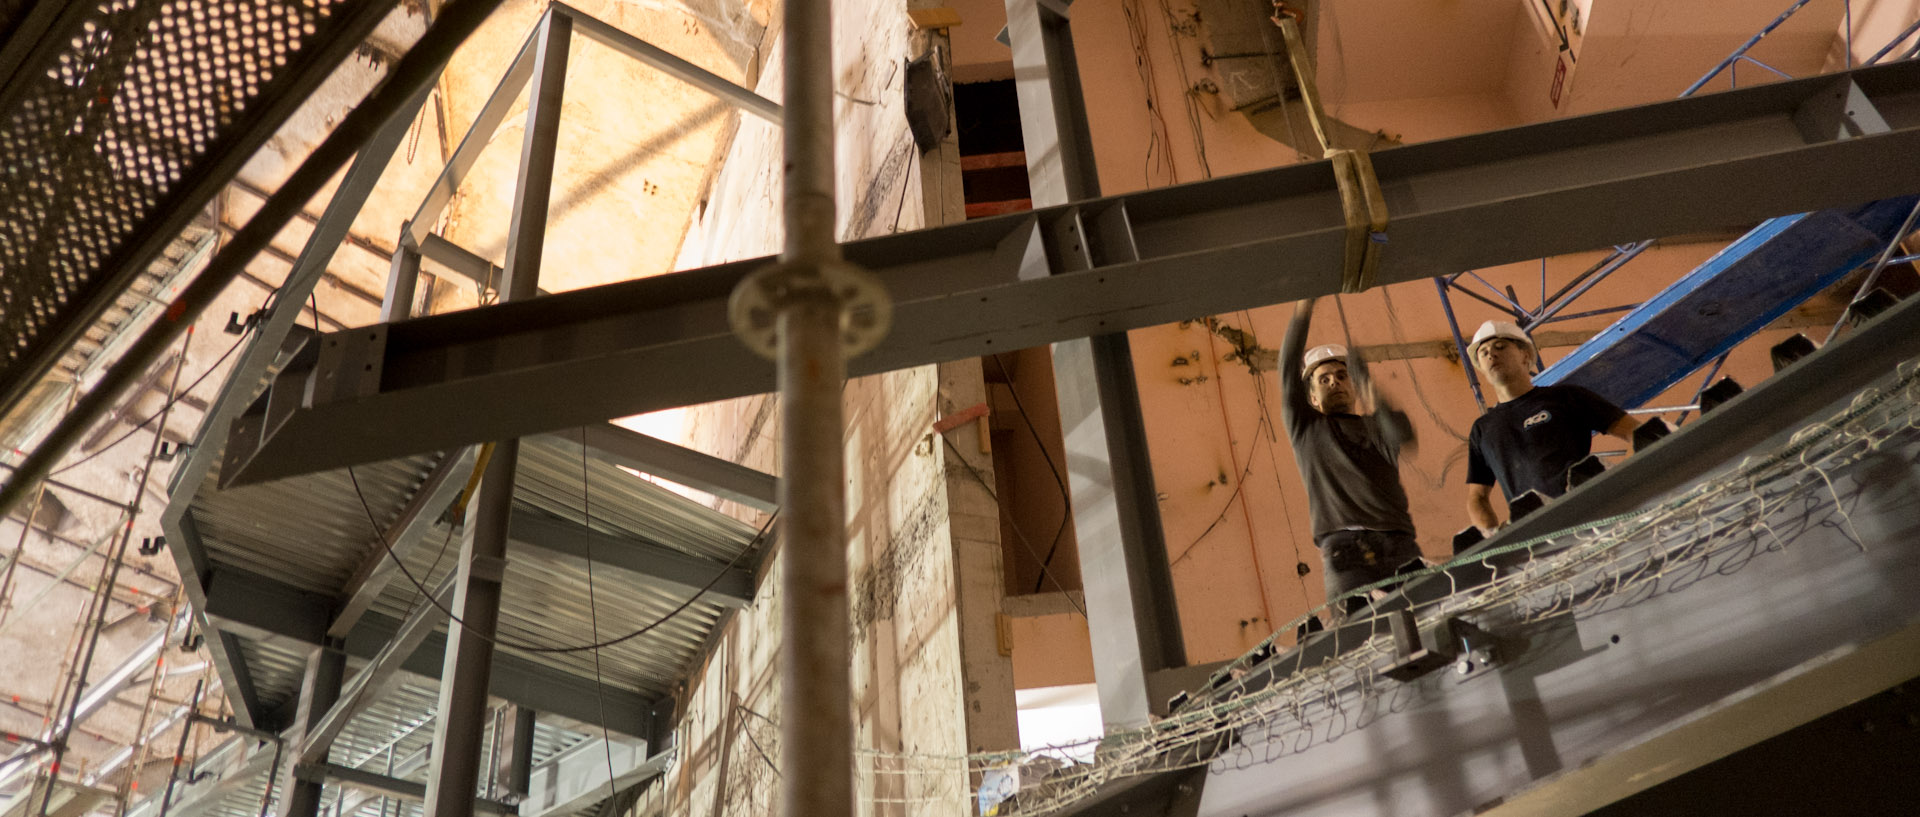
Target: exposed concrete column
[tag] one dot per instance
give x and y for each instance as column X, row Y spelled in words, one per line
column 986, row 663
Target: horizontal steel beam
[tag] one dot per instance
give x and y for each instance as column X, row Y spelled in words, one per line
column 991, row 285
column 652, row 562
column 249, row 606
column 1785, row 402
column 1782, row 402
column 494, row 111
column 615, row 445
column 382, row 784
column 1573, row 714
column 587, row 772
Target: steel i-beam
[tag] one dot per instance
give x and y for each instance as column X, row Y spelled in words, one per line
column 1205, row 248
column 1132, row 613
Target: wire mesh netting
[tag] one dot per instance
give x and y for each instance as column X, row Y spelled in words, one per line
column 1258, row 709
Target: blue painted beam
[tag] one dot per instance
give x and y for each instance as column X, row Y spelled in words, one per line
column 1725, row 300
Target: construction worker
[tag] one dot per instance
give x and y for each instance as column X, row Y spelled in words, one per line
column 1349, row 461
column 1529, row 439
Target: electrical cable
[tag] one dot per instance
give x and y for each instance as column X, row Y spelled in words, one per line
column 1399, row 336
column 1066, row 498
column 535, row 648
column 1273, row 460
column 593, row 609
column 1189, row 94
column 1237, row 486
column 1045, row 574
column 1157, row 135
column 174, row 399
column 164, row 407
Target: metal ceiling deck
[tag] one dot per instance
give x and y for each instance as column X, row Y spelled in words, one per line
column 312, row 533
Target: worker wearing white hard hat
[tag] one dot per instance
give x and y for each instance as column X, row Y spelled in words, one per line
column 1533, row 434
column 1349, row 461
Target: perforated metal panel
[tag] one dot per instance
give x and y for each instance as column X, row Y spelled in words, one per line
column 119, row 126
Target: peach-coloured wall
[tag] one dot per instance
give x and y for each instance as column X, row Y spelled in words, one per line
column 1875, row 24
column 1234, row 510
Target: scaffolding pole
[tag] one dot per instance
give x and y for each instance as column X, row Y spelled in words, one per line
column 809, row 312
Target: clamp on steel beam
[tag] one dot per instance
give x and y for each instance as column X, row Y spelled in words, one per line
column 1360, row 199
column 1417, row 653
column 1366, row 213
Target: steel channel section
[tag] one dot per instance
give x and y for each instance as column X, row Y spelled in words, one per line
column 1460, row 343
column 326, row 668
column 401, row 537
column 390, row 786
column 520, row 755
column 458, row 728
column 468, row 657
column 520, row 71
column 267, row 610
column 1205, row 248
column 640, row 50
column 652, row 563
column 1133, row 615
column 373, row 681
column 403, row 279
column 485, row 124
column 1576, row 694
column 728, row 480
column 189, row 552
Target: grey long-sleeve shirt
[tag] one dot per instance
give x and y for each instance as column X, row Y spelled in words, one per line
column 1350, row 463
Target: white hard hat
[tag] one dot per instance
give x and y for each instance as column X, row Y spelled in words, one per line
column 1321, row 354
column 1498, row 329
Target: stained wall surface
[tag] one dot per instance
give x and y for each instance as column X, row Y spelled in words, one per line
column 1234, row 511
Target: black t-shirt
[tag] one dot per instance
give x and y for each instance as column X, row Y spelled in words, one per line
column 1349, row 463
column 1528, row 443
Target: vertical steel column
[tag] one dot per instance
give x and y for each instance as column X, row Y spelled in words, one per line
column 326, row 669
column 809, row 312
column 402, row 281
column 519, row 754
column 1133, row 616
column 467, row 668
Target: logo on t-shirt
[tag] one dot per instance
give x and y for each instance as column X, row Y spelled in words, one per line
column 1537, row 419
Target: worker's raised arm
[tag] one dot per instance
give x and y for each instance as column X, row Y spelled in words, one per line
column 1293, row 353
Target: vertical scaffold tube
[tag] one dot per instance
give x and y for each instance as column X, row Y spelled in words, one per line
column 816, row 739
